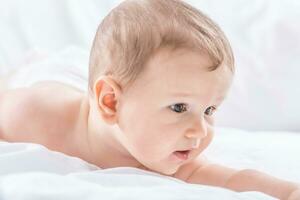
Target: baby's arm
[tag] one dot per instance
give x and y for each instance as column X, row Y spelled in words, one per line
column 200, row 172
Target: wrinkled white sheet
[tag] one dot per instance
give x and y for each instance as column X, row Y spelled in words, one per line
column 30, row 171
column 119, row 183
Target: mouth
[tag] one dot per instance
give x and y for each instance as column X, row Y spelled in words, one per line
column 182, row 155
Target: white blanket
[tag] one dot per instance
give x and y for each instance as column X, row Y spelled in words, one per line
column 30, row 171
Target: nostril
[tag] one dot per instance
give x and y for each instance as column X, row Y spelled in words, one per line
column 196, row 143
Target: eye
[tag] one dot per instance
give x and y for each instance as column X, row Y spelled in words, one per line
column 210, row 110
column 179, row 107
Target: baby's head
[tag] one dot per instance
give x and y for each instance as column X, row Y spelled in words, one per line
column 158, row 70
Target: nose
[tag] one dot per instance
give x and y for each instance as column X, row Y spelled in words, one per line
column 197, row 131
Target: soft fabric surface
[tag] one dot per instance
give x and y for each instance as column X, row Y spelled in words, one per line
column 30, row 171
column 119, row 183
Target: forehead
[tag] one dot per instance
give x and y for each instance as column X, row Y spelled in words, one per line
column 185, row 72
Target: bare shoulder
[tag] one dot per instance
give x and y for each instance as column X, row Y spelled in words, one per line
column 61, row 100
column 56, row 98
column 203, row 171
column 186, row 170
column 44, row 113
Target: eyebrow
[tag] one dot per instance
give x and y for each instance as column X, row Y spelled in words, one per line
column 185, row 94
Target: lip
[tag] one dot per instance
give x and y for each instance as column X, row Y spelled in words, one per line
column 181, row 155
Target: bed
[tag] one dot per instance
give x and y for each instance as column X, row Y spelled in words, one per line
column 258, row 125
column 31, row 171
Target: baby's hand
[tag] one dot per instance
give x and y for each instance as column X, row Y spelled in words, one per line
column 295, row 195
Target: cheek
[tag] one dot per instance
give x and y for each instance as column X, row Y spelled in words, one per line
column 148, row 133
column 152, row 139
column 210, row 121
column 152, row 135
column 206, row 141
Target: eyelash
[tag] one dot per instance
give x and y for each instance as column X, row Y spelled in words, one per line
column 185, row 105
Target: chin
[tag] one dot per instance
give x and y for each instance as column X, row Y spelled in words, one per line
column 163, row 168
column 168, row 171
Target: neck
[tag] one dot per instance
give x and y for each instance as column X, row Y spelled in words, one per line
column 98, row 142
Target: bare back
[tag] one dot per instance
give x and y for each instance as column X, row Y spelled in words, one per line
column 45, row 113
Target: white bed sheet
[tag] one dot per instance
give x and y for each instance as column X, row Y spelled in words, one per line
column 30, row 171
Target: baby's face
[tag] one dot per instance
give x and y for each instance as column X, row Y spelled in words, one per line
column 170, row 108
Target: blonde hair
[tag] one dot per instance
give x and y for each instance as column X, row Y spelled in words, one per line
column 133, row 31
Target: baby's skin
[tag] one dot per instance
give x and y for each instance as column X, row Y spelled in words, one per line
column 162, row 123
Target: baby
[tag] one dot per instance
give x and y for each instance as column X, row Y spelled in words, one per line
column 159, row 69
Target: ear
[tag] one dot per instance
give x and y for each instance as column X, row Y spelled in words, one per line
column 107, row 93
